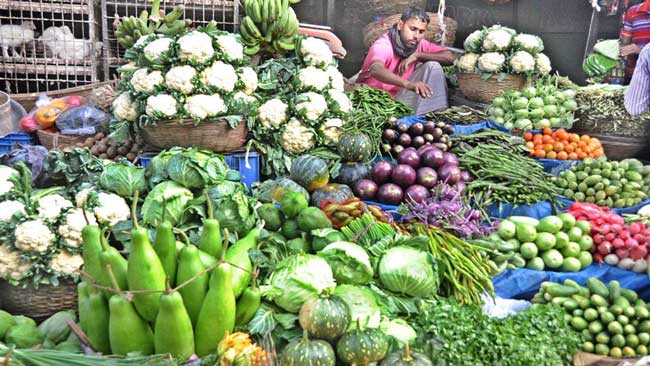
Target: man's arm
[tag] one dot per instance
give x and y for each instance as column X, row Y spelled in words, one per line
column 444, row 58
column 381, row 73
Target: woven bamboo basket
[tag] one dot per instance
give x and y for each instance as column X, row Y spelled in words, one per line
column 38, row 303
column 100, row 95
column 57, row 141
column 478, row 89
column 212, row 135
column 374, row 30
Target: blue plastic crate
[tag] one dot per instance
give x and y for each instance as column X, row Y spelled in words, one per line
column 7, row 142
column 237, row 161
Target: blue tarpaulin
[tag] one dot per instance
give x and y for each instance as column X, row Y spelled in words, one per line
column 555, row 167
column 505, row 210
column 523, row 283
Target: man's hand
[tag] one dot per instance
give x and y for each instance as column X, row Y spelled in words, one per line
column 631, row 49
column 423, row 89
column 404, row 65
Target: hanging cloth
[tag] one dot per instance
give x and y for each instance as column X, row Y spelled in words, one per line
column 441, row 21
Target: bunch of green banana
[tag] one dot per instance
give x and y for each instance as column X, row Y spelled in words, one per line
column 132, row 28
column 269, row 26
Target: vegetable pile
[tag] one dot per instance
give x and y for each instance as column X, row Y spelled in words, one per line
column 606, row 183
column 463, row 143
column 373, row 102
column 400, row 136
column 458, row 115
column 612, row 320
column 53, row 333
column 105, row 147
column 616, row 243
column 605, row 58
column 562, row 145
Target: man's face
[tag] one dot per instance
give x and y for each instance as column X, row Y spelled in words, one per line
column 412, row 31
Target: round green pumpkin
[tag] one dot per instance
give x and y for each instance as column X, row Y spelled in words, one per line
column 355, row 147
column 325, row 317
column 359, row 347
column 310, row 172
column 306, row 352
column 406, row 358
column 275, row 190
column 333, row 192
column 350, row 173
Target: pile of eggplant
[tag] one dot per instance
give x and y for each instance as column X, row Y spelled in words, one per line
column 400, row 135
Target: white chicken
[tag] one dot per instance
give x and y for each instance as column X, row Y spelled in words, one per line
column 62, row 44
column 12, row 36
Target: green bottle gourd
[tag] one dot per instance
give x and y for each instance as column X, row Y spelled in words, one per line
column 217, row 315
column 210, row 241
column 91, row 239
column 97, row 323
column 165, row 246
column 145, row 271
column 207, row 260
column 173, row 331
column 118, row 264
column 247, row 305
column 127, row 330
column 82, row 304
column 190, row 265
column 238, row 256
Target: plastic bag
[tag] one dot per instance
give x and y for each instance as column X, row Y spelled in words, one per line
column 502, row 308
column 83, row 120
column 47, row 111
column 33, row 156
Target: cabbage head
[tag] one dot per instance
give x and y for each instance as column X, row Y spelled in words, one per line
column 409, row 271
column 349, row 262
column 123, row 179
column 298, row 277
column 474, row 42
column 399, row 330
column 170, row 195
column 197, row 168
column 362, row 303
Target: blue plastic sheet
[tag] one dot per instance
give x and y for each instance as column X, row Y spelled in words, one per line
column 555, row 167
column 504, row 210
column 469, row 129
column 564, row 204
column 523, row 283
column 409, row 120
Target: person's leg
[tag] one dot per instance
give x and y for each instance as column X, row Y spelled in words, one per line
column 431, row 73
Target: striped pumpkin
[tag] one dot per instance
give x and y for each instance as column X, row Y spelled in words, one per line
column 362, row 346
column 310, row 171
column 306, row 352
column 325, row 317
column 355, row 147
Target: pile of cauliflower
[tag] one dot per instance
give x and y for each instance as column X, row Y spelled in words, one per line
column 500, row 49
column 197, row 75
column 314, row 113
column 40, row 236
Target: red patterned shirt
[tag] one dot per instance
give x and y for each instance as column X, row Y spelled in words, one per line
column 636, row 24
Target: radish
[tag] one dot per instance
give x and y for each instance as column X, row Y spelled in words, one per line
column 599, row 257
column 605, row 248
column 618, row 243
column 639, row 238
column 640, row 266
column 617, row 228
column 646, row 232
column 626, row 263
column 635, row 229
column 610, row 236
column 611, row 259
column 622, row 253
column 638, row 252
column 631, row 242
column 599, row 238
column 624, row 234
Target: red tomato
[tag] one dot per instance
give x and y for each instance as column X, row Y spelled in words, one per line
column 28, row 124
column 74, row 101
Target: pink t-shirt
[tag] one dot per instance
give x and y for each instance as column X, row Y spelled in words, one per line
column 382, row 50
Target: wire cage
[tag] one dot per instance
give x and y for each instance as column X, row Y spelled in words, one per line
column 48, row 44
column 224, row 12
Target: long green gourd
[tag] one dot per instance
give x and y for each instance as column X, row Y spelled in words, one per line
column 97, row 323
column 111, row 257
column 90, row 236
column 173, row 331
column 238, row 256
column 82, row 304
column 127, row 330
column 189, row 266
column 210, row 241
column 165, row 246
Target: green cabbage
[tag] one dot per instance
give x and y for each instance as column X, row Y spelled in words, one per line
column 123, row 179
column 400, row 330
column 297, row 278
column 349, row 262
column 175, row 199
column 409, row 271
column 362, row 303
column 197, row 168
column 610, row 48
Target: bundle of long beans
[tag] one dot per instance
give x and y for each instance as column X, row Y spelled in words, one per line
column 458, row 115
column 464, row 272
column 461, row 144
column 378, row 102
column 502, row 176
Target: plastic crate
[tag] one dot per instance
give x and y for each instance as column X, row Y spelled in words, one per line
column 236, row 161
column 7, row 142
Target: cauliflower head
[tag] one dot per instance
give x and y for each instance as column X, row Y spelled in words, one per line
column 297, row 138
column 156, row 49
column 529, row 43
column 491, row 62
column 313, row 78
column 467, row 62
column 124, row 108
column 111, row 209
column 231, row 47
column 50, row 206
column 202, row 106
column 248, row 77
column 522, row 62
column 72, row 225
column 195, row 47
column 316, row 52
column 161, row 105
column 7, row 172
column 180, row 78
column 474, row 41
column 244, row 98
column 497, row 40
column 331, row 130
column 336, row 78
column 543, row 64
column 34, row 236
column 312, row 105
column 66, row 263
column 12, row 265
column 221, row 76
column 143, row 81
column 341, row 101
column 9, row 208
column 273, row 113
column 6, row 186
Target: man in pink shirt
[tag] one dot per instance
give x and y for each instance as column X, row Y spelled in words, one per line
column 407, row 66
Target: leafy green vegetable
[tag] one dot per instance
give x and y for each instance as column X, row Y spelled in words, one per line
column 123, row 179
column 197, row 168
column 362, row 303
column 409, row 271
column 235, row 212
column 170, row 195
column 72, row 168
column 349, row 262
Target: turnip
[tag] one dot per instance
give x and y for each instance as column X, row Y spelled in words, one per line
column 626, row 263
column 618, row 243
column 622, row 253
column 611, row 259
column 640, row 266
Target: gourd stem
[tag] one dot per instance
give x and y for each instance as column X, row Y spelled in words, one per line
column 226, row 240
column 407, row 353
column 359, row 324
column 305, row 335
column 134, row 210
column 209, row 204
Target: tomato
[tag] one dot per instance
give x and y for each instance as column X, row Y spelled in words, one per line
column 562, row 155
column 551, row 155
column 29, row 124
column 74, row 101
column 530, row 145
column 548, row 148
column 528, row 136
column 573, row 156
column 558, row 146
column 540, row 154
column 548, row 131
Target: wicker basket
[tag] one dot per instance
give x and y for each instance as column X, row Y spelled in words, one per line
column 57, row 141
column 374, row 30
column 38, row 303
column 478, row 89
column 100, row 95
column 212, row 135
